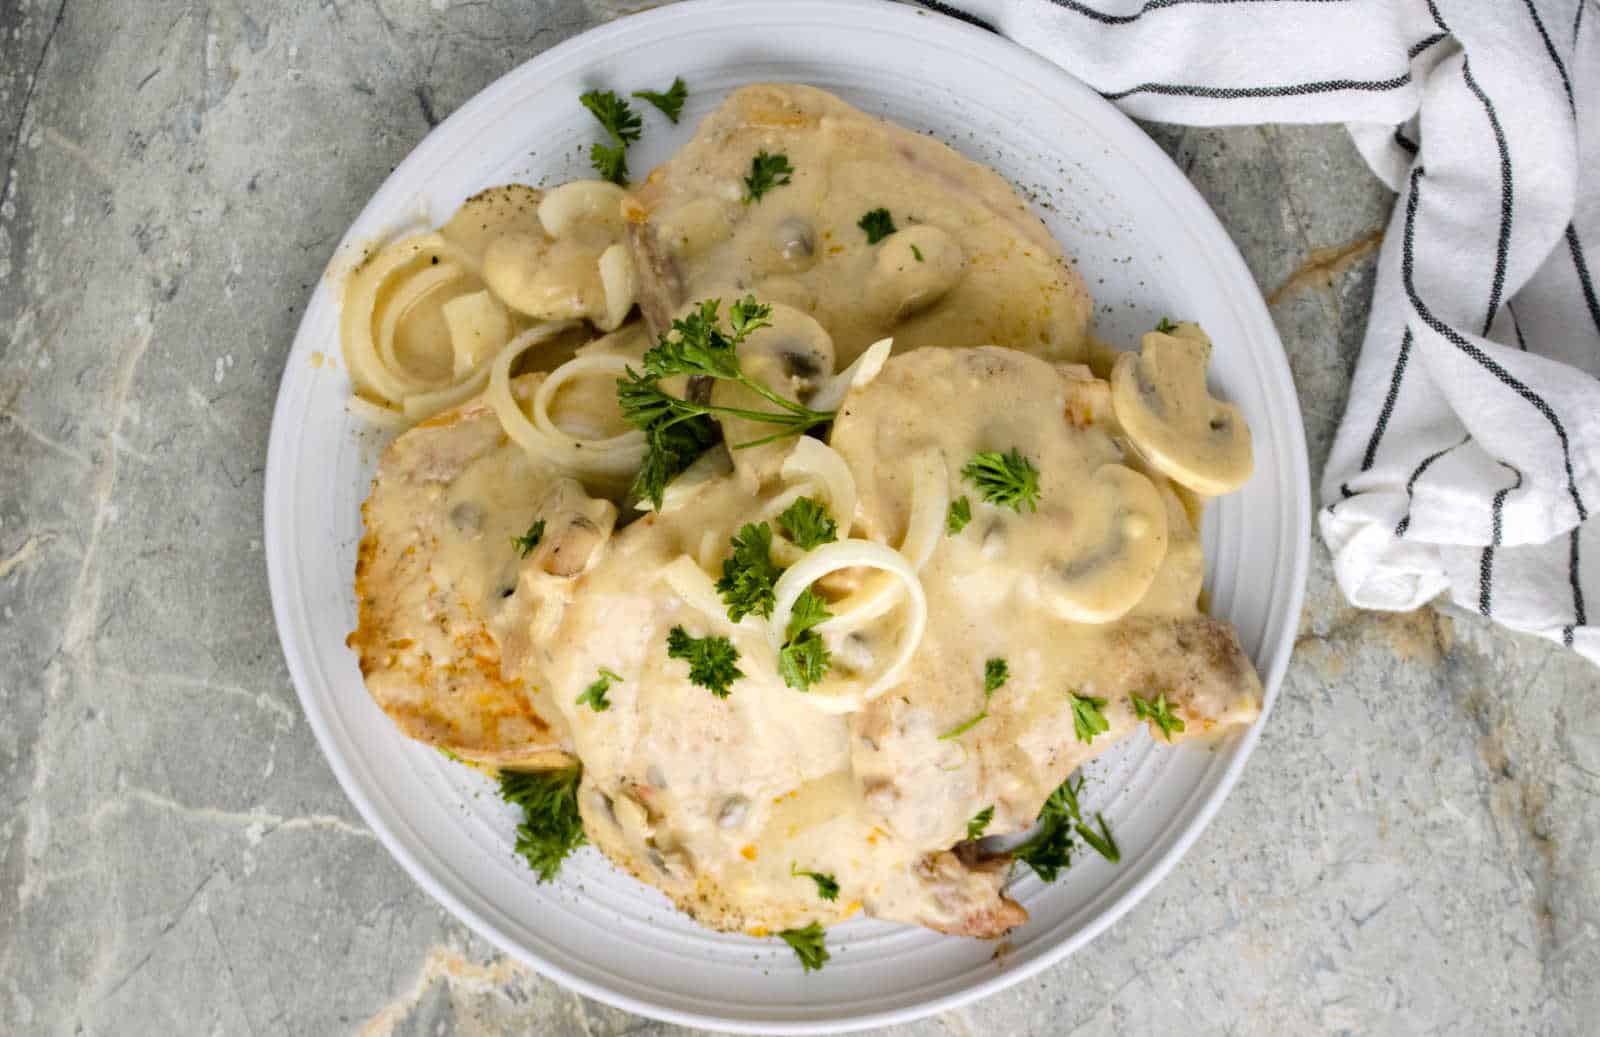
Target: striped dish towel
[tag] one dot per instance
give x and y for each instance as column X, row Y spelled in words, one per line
column 1468, row 460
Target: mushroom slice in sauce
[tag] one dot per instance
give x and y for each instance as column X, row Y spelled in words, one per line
column 1111, row 550
column 1163, row 405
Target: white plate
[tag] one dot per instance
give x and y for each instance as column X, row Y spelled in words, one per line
column 1147, row 246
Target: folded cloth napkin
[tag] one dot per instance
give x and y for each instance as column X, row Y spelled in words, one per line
column 1468, row 459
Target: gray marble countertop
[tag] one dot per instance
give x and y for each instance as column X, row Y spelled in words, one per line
column 1412, row 848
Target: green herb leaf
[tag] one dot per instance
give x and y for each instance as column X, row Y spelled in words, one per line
column 808, row 945
column 804, row 659
column 980, row 823
column 1049, row 852
column 529, row 540
column 551, row 827
column 748, row 575
column 965, row 726
column 1087, row 720
column 711, row 660
column 827, row 886
column 1008, row 480
column 766, row 172
column 1166, row 326
column 621, row 123
column 917, row 252
column 878, row 224
column 1160, row 711
column 995, row 674
column 697, row 347
column 671, row 102
column 595, row 694
column 1101, row 842
column 807, row 524
column 960, row 513
column 610, row 161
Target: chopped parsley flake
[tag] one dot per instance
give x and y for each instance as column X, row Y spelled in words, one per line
column 878, row 224
column 551, row 828
column 529, row 540
column 766, row 172
column 960, row 513
column 807, row 524
column 827, row 885
column 1008, row 480
column 808, row 945
column 1160, row 711
column 671, row 102
column 711, row 660
column 980, row 823
column 594, row 696
column 1087, row 720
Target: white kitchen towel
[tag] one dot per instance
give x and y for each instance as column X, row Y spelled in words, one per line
column 1468, row 460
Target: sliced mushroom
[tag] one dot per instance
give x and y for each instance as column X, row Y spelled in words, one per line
column 791, row 357
column 1162, row 403
column 1111, row 550
column 489, row 214
column 913, row 269
column 576, row 527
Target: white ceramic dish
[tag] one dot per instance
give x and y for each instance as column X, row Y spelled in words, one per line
column 1147, row 245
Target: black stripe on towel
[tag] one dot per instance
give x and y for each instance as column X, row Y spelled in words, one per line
column 1382, row 424
column 1405, row 142
column 1583, row 275
column 1478, row 356
column 1157, row 5
column 1516, row 326
column 957, row 13
column 1235, row 93
column 1486, row 564
column 1550, row 47
column 1427, row 462
column 1579, row 617
column 1502, row 247
column 1423, row 44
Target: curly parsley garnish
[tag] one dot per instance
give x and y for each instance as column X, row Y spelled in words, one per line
column 671, row 102
column 980, row 823
column 711, row 660
column 1166, row 327
column 1160, row 711
column 808, row 945
column 551, row 827
column 960, row 513
column 807, row 524
column 995, row 673
column 878, row 224
column 1008, row 480
column 1087, row 720
column 766, row 172
column 827, row 885
column 621, row 124
column 804, row 658
column 678, row 430
column 529, row 540
column 594, row 696
column 1050, row 851
column 748, row 575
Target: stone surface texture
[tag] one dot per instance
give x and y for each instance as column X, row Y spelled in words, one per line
column 1412, row 848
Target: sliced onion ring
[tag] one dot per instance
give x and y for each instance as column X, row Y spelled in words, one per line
column 411, row 291
column 858, row 375
column 847, row 696
column 578, row 367
column 930, row 502
column 367, row 369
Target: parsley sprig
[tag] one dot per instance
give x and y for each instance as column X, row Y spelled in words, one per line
column 960, row 513
column 808, row 945
column 698, row 347
column 827, row 885
column 1166, row 327
column 804, row 659
column 1087, row 720
column 622, row 126
column 671, row 102
column 529, row 540
column 594, row 696
column 749, row 574
column 995, row 674
column 1008, row 480
column 1160, row 711
column 980, row 822
column 1050, row 851
column 551, row 827
column 878, row 224
column 807, row 524
column 766, row 172
column 711, row 660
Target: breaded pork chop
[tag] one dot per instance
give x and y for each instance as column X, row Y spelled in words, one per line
column 966, row 263
column 447, row 595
